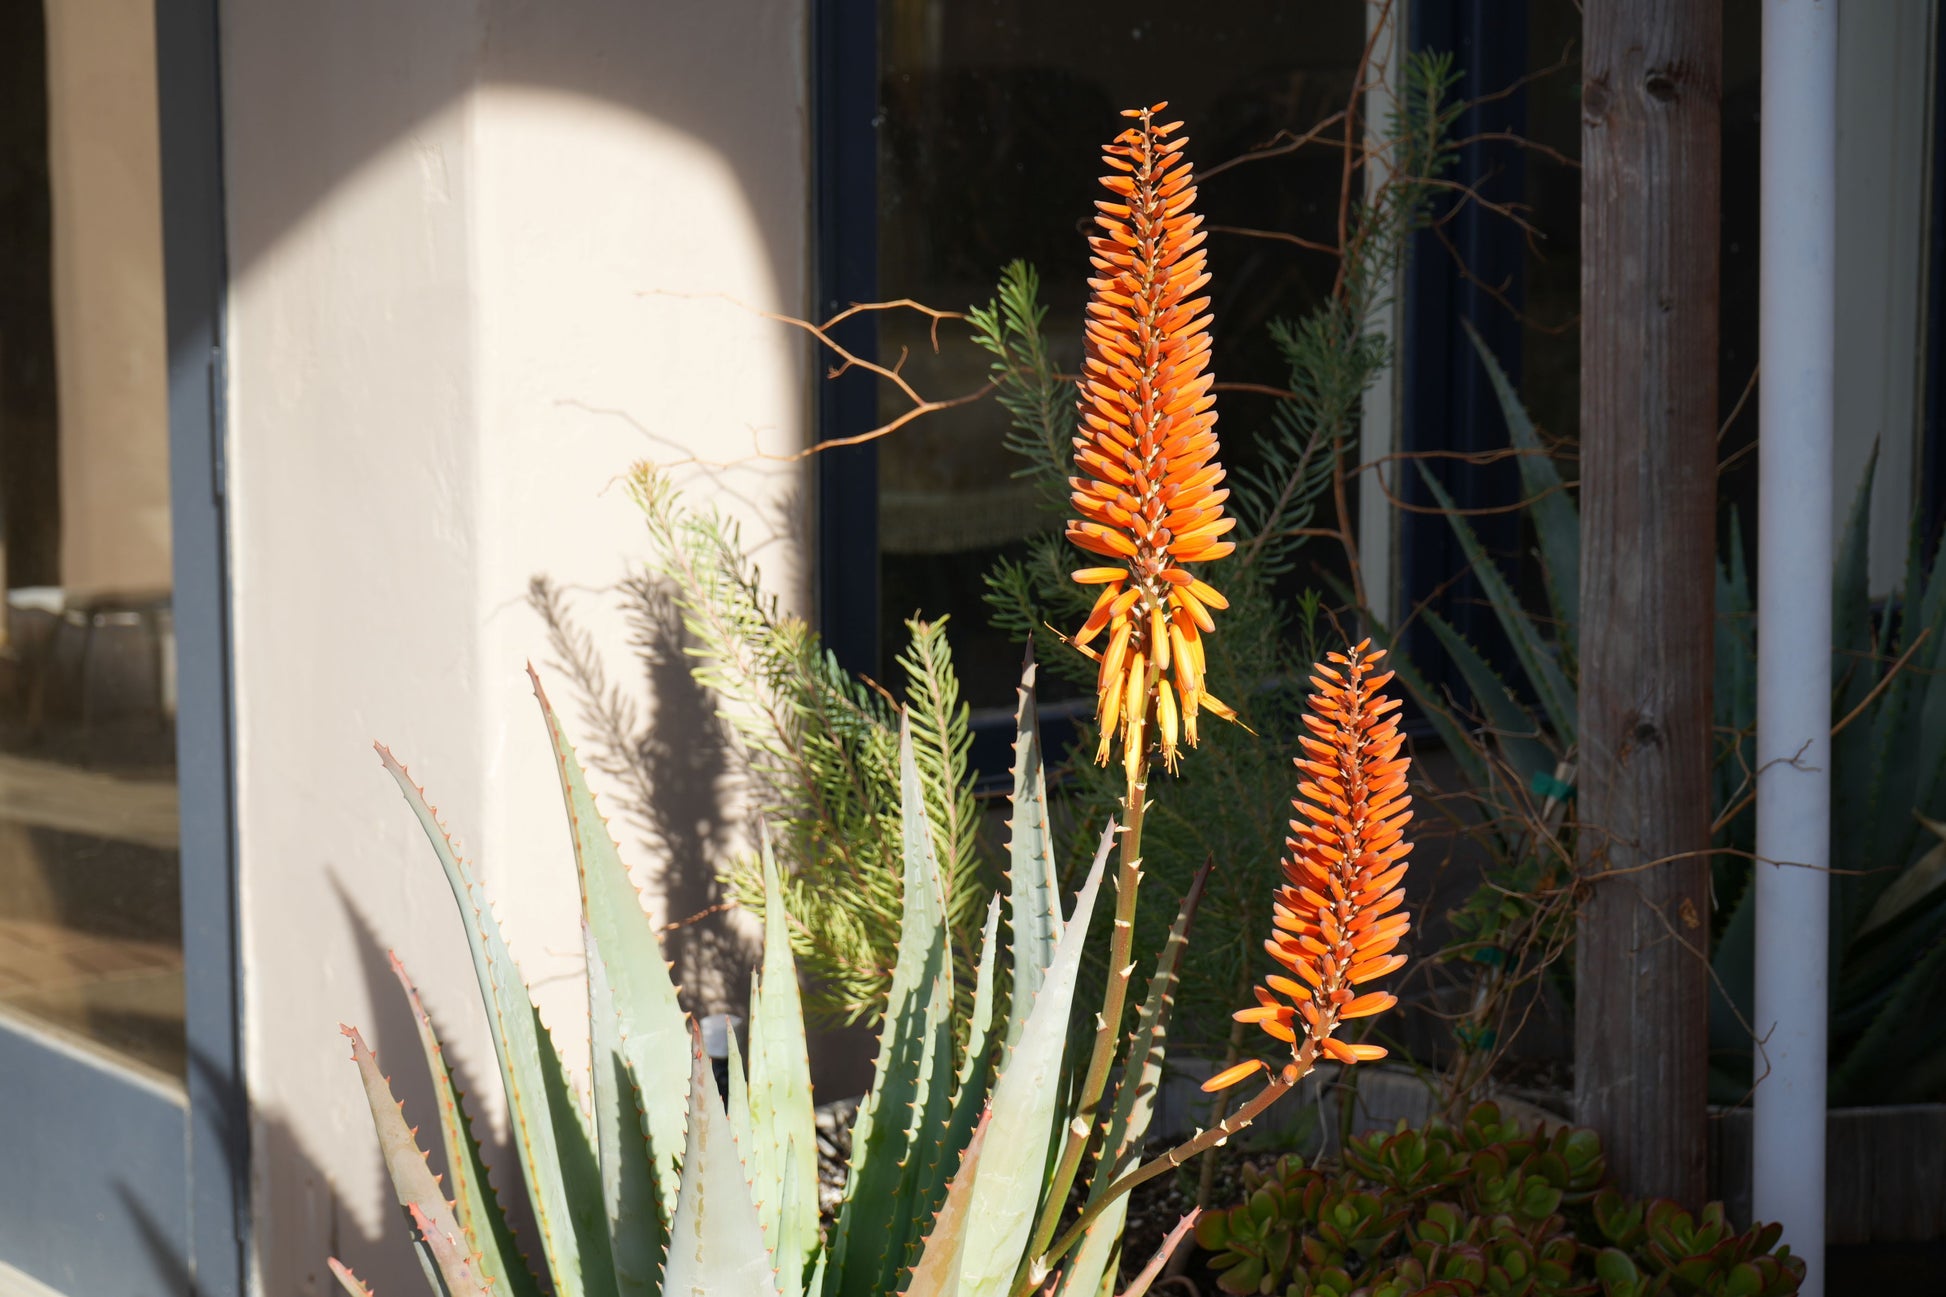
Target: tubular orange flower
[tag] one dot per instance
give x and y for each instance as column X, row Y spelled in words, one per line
column 1337, row 916
column 1147, row 484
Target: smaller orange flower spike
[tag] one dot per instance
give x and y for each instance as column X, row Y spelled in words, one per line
column 1337, row 916
column 1147, row 490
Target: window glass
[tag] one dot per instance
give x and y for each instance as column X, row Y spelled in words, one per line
column 90, row 887
column 993, row 117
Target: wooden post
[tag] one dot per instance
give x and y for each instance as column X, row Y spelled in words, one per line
column 1651, row 104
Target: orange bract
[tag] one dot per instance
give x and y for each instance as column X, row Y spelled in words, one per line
column 1337, row 916
column 1147, row 482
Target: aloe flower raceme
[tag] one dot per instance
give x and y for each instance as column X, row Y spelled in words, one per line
column 1337, row 916
column 1148, row 485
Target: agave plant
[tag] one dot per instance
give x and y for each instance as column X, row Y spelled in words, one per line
column 1888, row 911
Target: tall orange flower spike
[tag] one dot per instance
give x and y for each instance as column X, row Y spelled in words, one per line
column 1335, row 920
column 1147, row 482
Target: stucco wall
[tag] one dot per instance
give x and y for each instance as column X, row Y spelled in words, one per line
column 459, row 232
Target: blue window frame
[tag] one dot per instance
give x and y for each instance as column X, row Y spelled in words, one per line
column 135, row 1186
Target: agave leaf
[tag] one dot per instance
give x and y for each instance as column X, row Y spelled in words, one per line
column 1557, row 522
column 636, row 1229
column 1033, row 909
column 654, row 1029
column 1013, row 1169
column 518, row 1045
column 1517, row 731
column 781, row 1115
column 716, row 1244
column 1550, row 686
column 475, row 1204
column 912, row 1081
column 937, row 1272
column 435, row 1230
column 350, row 1282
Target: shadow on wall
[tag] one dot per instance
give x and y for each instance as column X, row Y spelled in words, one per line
column 678, row 770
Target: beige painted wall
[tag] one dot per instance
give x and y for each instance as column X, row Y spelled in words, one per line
column 104, row 173
column 459, row 230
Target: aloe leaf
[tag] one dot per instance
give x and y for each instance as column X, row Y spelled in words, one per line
column 739, row 1098
column 636, row 1234
column 1459, row 744
column 912, row 1081
column 1557, row 522
column 716, row 1245
column 475, row 1203
column 1162, row 1254
column 1517, row 731
column 1874, row 1068
column 1096, row 1260
column 1099, row 1254
column 1733, row 988
column 1128, row 1123
column 937, row 1273
column 580, row 1166
column 348, row 1281
column 1551, row 687
column 975, row 1077
column 716, row 1237
column 519, row 1048
column 435, row 1230
column 654, row 1029
column 1913, row 886
column 1013, row 1169
column 1855, row 671
column 1033, row 910
column 449, row 1253
column 781, row 1114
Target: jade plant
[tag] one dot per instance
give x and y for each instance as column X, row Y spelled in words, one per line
column 1483, row 1207
column 979, row 1121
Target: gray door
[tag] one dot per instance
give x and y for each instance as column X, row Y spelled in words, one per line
column 121, row 1113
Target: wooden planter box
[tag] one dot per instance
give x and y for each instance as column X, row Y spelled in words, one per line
column 1885, row 1171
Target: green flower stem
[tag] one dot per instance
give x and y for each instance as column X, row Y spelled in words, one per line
column 1280, row 1085
column 1114, row 1005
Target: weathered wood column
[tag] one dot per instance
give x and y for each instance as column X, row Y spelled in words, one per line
column 1651, row 103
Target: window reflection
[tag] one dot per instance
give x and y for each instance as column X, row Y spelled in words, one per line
column 993, row 117
column 90, row 889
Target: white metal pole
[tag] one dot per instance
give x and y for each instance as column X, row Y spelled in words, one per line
column 1798, row 288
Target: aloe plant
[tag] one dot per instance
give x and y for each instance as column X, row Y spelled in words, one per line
column 1888, row 911
column 650, row 1184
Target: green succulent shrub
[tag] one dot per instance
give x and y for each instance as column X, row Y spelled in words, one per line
column 1483, row 1207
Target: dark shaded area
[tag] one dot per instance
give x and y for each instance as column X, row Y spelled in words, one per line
column 30, row 517
column 992, row 120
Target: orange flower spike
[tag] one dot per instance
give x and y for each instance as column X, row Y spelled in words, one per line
column 1337, row 917
column 1147, row 488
